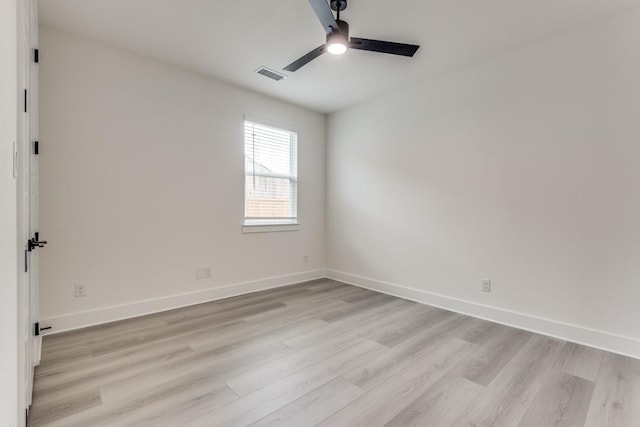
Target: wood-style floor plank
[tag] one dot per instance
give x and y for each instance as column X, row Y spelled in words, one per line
column 479, row 331
column 313, row 407
column 580, row 361
column 63, row 405
column 510, row 394
column 563, row 401
column 426, row 346
column 363, row 319
column 254, row 406
column 489, row 360
column 616, row 396
column 440, row 404
column 330, row 354
column 197, row 364
column 250, row 380
column 154, row 406
column 382, row 403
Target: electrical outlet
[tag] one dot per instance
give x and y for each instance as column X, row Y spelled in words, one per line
column 80, row 290
column 486, row 285
column 305, row 259
column 203, row 273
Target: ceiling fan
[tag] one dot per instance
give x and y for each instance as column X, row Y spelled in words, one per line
column 338, row 40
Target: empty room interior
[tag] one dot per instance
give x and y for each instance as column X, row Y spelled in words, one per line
column 320, row 213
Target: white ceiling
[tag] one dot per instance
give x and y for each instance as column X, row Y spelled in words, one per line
column 228, row 40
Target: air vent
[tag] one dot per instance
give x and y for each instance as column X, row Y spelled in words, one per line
column 264, row 71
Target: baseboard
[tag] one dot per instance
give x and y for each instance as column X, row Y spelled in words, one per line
column 84, row 319
column 590, row 337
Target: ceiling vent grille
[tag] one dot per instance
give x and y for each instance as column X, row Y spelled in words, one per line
column 264, row 71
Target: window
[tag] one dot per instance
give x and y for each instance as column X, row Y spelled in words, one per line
column 271, row 175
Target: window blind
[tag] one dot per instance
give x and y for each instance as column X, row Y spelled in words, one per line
column 271, row 175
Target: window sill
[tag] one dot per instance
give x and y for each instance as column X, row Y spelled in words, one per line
column 269, row 228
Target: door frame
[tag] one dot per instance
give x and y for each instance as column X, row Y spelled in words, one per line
column 9, row 411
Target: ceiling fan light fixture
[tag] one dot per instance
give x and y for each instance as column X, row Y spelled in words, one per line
column 338, row 39
column 337, row 48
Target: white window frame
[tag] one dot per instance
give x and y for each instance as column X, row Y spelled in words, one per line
column 263, row 225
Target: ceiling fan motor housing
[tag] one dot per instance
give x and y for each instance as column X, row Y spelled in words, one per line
column 340, row 36
column 338, row 40
column 343, row 29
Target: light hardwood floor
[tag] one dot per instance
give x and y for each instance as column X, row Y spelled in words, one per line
column 328, row 354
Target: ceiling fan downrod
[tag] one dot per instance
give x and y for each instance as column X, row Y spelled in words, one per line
column 338, row 6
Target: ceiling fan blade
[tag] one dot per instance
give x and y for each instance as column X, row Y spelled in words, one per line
column 383, row 47
column 301, row 62
column 324, row 14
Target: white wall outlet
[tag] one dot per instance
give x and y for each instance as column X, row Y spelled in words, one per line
column 203, row 273
column 305, row 259
column 486, row 285
column 80, row 290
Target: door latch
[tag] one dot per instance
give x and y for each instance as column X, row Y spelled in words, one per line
column 34, row 242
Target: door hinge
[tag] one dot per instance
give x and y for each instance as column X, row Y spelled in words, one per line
column 36, row 147
column 26, row 261
column 35, row 56
column 37, row 329
column 25, row 100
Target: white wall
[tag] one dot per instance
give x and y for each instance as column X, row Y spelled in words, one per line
column 522, row 168
column 142, row 182
column 8, row 255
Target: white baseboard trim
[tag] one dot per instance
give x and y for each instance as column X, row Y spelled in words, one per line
column 625, row 346
column 99, row 316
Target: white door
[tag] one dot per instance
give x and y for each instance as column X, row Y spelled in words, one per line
column 34, row 308
column 24, row 291
column 29, row 345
